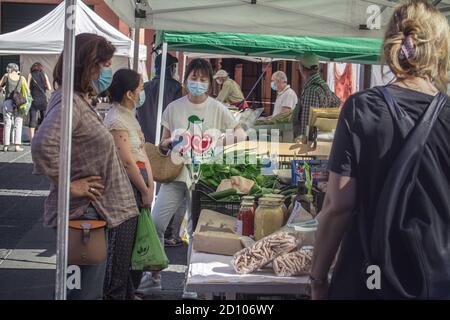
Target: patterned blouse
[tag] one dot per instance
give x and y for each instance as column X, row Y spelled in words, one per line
column 121, row 118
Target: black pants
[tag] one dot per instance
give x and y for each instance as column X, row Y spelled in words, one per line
column 36, row 117
column 120, row 281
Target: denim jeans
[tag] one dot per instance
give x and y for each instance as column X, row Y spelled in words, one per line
column 172, row 197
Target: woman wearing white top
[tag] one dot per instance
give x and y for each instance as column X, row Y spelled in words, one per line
column 188, row 124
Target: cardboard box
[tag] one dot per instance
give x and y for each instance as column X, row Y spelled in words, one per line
column 215, row 234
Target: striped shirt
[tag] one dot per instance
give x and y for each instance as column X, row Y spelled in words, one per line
column 93, row 154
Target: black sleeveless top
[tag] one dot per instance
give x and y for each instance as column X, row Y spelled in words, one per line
column 37, row 88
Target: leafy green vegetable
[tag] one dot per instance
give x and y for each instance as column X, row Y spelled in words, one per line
column 223, row 194
column 289, row 192
column 235, row 172
column 265, row 181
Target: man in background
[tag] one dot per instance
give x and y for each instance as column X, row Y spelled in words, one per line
column 148, row 113
column 315, row 94
column 230, row 92
column 286, row 97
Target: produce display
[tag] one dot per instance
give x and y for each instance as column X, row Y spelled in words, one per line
column 295, row 263
column 262, row 252
column 213, row 175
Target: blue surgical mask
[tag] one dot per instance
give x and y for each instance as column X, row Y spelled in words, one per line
column 273, row 86
column 141, row 100
column 197, row 88
column 104, row 80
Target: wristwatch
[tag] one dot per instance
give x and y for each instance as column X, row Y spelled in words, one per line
column 317, row 281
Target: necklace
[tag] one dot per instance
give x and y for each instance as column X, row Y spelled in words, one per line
column 418, row 84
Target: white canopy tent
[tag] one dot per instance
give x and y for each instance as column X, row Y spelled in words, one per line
column 343, row 18
column 287, row 17
column 43, row 40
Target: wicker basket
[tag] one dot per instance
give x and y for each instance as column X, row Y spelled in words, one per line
column 163, row 168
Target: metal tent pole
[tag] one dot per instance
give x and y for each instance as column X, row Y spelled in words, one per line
column 65, row 149
column 183, row 73
column 162, row 80
column 137, row 33
column 161, row 92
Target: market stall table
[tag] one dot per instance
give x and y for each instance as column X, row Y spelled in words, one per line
column 211, row 274
column 292, row 150
column 286, row 130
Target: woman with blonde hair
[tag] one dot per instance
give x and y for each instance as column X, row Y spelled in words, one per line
column 387, row 204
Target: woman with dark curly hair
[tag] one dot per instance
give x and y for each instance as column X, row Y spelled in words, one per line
column 99, row 188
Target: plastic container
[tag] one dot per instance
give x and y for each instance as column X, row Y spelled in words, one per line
column 269, row 217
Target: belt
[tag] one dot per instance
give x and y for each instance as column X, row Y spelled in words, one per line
column 140, row 164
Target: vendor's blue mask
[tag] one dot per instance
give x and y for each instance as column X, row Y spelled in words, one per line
column 197, row 88
column 141, row 100
column 104, row 80
column 273, row 86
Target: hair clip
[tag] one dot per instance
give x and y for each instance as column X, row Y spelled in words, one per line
column 408, row 49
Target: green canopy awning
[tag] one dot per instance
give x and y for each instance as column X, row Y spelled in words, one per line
column 356, row 50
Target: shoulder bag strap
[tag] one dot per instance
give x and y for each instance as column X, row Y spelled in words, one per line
column 37, row 84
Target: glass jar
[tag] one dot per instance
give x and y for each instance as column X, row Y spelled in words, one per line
column 250, row 199
column 269, row 217
column 246, row 217
column 280, row 198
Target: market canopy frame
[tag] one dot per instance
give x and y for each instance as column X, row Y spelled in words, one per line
column 354, row 50
column 342, row 18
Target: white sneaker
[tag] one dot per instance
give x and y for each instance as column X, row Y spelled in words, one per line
column 18, row 149
column 148, row 285
column 189, row 295
column 5, row 148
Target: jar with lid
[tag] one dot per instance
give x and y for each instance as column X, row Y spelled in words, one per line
column 280, row 198
column 250, row 199
column 269, row 217
column 246, row 217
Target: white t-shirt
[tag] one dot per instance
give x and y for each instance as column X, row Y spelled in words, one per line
column 287, row 98
column 201, row 123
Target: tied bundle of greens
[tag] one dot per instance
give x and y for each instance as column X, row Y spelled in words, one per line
column 213, row 174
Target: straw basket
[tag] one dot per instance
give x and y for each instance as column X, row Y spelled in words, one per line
column 163, row 168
